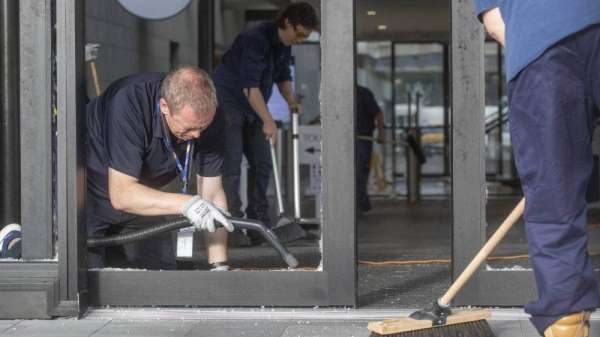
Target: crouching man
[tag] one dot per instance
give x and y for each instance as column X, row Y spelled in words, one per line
column 144, row 131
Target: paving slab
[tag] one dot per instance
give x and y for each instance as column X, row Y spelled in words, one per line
column 225, row 328
column 329, row 330
column 54, row 328
column 506, row 328
column 595, row 328
column 6, row 324
column 528, row 330
column 146, row 328
column 238, row 329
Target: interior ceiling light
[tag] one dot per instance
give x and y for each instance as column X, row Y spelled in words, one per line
column 371, row 13
column 382, row 27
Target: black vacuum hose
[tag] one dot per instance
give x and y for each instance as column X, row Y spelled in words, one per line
column 138, row 235
column 142, row 234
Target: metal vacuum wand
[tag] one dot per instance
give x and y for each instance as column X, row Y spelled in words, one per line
column 296, row 160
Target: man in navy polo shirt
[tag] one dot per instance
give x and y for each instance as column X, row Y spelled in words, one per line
column 553, row 69
column 258, row 58
column 144, row 131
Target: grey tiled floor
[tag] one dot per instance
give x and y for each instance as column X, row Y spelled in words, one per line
column 165, row 328
column 60, row 327
column 219, row 328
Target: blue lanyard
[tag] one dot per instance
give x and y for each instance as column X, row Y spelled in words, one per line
column 183, row 170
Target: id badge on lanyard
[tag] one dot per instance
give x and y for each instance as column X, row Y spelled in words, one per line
column 182, row 170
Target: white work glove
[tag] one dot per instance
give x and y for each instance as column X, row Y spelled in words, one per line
column 202, row 214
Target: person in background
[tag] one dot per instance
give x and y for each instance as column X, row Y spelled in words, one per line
column 368, row 116
column 553, row 72
column 259, row 58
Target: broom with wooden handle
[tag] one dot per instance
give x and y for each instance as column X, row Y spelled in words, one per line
column 438, row 319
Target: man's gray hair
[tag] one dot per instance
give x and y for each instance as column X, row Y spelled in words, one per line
column 189, row 85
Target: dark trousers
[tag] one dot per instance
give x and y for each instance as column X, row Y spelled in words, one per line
column 244, row 137
column 364, row 151
column 156, row 253
column 554, row 106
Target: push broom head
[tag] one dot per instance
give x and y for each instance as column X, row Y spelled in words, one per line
column 436, row 321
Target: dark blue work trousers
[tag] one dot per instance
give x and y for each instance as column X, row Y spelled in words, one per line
column 154, row 253
column 244, row 137
column 364, row 151
column 554, row 106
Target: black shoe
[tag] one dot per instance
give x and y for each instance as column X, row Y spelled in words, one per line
column 237, row 238
column 219, row 266
column 365, row 207
column 255, row 238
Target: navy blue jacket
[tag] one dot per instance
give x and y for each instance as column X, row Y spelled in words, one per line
column 256, row 59
column 366, row 111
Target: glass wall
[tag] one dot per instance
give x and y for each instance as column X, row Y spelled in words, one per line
column 374, row 71
column 497, row 136
column 408, row 82
column 421, row 108
column 413, row 99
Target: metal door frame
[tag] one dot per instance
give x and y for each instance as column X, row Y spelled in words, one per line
column 499, row 288
column 335, row 285
column 48, row 280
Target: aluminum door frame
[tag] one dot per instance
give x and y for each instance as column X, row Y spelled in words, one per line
column 335, row 284
column 48, row 281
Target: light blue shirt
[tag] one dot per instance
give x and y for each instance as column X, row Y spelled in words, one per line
column 532, row 26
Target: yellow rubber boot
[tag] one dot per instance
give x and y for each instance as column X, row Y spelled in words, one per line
column 574, row 325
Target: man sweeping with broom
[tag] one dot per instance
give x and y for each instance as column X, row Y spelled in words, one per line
column 553, row 69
